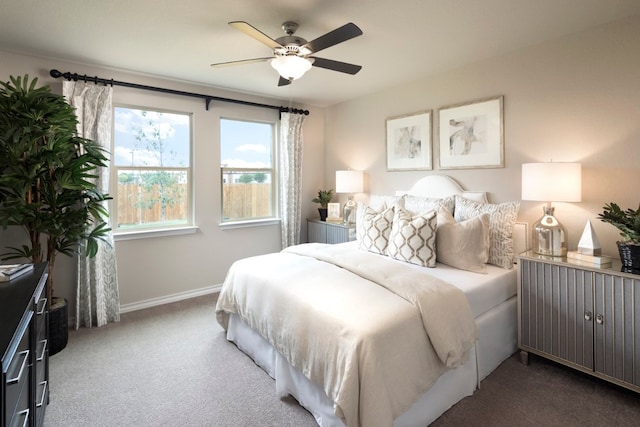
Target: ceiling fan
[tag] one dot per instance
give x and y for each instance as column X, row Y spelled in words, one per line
column 293, row 55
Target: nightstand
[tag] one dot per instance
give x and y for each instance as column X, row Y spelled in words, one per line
column 581, row 316
column 329, row 232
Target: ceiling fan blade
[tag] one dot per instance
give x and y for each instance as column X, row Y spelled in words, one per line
column 283, row 82
column 241, row 62
column 251, row 31
column 330, row 64
column 339, row 35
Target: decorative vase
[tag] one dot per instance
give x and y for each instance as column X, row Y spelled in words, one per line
column 630, row 257
column 323, row 213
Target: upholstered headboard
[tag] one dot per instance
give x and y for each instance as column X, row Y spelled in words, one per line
column 441, row 186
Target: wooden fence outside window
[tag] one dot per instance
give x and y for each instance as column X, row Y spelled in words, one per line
column 241, row 201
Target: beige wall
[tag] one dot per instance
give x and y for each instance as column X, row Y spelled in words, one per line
column 572, row 99
column 157, row 268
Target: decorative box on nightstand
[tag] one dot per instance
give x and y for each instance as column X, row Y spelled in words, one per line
column 329, row 232
column 580, row 315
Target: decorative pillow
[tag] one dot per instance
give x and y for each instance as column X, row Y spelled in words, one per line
column 379, row 202
column 463, row 245
column 417, row 205
column 413, row 239
column 373, row 229
column 475, row 196
column 502, row 216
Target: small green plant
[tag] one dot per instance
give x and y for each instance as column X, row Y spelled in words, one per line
column 627, row 221
column 323, row 198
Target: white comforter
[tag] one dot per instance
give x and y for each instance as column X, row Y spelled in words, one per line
column 353, row 322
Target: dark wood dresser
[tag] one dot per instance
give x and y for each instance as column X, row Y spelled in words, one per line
column 24, row 334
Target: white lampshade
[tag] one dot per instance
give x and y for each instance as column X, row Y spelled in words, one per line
column 349, row 181
column 552, row 182
column 291, row 67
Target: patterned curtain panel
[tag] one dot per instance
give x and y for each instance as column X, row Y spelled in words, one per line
column 97, row 296
column 290, row 177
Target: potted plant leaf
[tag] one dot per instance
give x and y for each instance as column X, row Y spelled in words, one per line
column 323, row 198
column 628, row 223
column 47, row 185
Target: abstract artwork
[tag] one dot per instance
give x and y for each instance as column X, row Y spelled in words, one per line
column 409, row 142
column 471, row 135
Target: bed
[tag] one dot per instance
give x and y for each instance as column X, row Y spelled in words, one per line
column 353, row 332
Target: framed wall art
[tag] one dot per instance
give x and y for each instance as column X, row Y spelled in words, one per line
column 409, row 142
column 333, row 211
column 471, row 135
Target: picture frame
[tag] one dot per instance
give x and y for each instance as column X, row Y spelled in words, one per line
column 409, row 142
column 471, row 135
column 333, row 211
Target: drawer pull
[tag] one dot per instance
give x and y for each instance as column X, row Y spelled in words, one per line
column 588, row 316
column 599, row 319
column 40, row 358
column 25, row 419
column 25, row 357
column 42, row 306
column 44, row 393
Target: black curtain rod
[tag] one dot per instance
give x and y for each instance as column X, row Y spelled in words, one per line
column 207, row 98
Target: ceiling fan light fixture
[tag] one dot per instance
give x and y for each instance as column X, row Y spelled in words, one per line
column 291, row 67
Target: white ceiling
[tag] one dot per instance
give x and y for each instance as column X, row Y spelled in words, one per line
column 402, row 41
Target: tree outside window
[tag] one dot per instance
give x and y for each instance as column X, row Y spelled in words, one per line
column 153, row 166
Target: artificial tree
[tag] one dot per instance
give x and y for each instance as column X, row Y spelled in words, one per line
column 47, row 176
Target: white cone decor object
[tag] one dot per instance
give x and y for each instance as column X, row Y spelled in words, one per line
column 589, row 244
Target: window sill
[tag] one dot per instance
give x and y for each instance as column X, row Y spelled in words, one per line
column 244, row 224
column 145, row 234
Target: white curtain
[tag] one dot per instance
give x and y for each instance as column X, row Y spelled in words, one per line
column 290, row 177
column 97, row 296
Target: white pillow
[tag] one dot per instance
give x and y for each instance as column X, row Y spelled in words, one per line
column 413, row 239
column 463, row 245
column 475, row 196
column 502, row 216
column 417, row 205
column 373, row 229
column 380, row 202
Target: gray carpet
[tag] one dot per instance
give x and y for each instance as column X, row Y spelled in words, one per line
column 172, row 366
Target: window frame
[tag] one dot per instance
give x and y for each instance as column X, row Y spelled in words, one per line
column 273, row 201
column 157, row 230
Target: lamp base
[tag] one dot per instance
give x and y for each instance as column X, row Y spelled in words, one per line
column 349, row 212
column 549, row 236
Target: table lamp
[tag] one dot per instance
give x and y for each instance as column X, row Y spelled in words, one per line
column 349, row 182
column 551, row 182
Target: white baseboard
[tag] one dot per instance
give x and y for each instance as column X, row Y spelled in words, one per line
column 153, row 302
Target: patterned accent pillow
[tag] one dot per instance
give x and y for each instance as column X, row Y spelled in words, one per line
column 502, row 216
column 463, row 245
column 373, row 229
column 417, row 205
column 413, row 239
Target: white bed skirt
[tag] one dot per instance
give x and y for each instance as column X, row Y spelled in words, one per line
column 497, row 341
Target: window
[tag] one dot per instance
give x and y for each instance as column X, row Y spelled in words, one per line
column 248, row 177
column 152, row 170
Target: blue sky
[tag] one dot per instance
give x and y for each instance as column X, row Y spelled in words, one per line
column 172, row 128
column 244, row 144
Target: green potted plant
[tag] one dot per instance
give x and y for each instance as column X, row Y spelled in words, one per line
column 47, row 184
column 323, row 198
column 628, row 222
